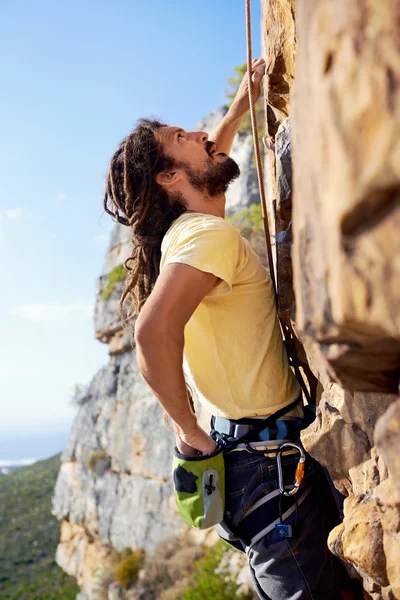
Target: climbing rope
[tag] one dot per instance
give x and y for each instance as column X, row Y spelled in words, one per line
column 257, row 152
column 287, row 331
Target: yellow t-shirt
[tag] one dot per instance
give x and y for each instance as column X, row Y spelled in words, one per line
column 234, row 352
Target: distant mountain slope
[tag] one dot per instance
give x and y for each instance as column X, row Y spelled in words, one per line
column 29, row 535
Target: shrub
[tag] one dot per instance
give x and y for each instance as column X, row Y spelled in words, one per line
column 116, row 275
column 128, row 569
column 80, row 394
column 211, row 580
column 249, row 221
column 99, row 462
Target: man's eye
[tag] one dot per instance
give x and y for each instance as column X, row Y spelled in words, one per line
column 180, row 136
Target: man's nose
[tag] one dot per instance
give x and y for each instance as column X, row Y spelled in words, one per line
column 201, row 137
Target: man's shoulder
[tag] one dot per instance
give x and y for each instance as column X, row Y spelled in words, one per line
column 197, row 225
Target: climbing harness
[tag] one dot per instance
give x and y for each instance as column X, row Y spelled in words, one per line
column 199, row 481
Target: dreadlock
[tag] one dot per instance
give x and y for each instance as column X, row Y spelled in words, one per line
column 133, row 197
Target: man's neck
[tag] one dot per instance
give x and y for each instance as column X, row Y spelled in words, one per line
column 208, row 206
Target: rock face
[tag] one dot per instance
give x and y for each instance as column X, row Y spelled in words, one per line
column 279, row 41
column 345, row 115
column 114, row 487
column 346, row 165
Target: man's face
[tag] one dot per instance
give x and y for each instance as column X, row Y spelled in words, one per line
column 207, row 170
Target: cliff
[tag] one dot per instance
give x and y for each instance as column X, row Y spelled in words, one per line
column 345, row 275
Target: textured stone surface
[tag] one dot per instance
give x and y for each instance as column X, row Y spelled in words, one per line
column 387, row 438
column 279, row 41
column 346, row 156
column 344, row 429
column 125, row 498
column 359, row 539
column 130, row 504
column 346, row 244
column 388, row 505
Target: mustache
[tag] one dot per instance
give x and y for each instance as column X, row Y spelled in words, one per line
column 211, row 148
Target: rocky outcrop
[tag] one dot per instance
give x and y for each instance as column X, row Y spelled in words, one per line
column 114, row 487
column 279, row 46
column 345, row 114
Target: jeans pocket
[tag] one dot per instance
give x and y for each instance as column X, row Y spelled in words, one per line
column 242, row 483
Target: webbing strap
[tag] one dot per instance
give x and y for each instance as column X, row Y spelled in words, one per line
column 270, row 527
column 287, row 332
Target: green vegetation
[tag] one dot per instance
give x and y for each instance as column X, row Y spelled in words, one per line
column 234, row 83
column 210, row 578
column 29, row 535
column 79, row 395
column 249, row 221
column 117, row 274
column 128, row 569
column 95, row 457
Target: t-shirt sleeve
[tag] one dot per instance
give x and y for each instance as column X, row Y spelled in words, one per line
column 211, row 246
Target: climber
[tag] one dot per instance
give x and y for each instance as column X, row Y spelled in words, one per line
column 206, row 311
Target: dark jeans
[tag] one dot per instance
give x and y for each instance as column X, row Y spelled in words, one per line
column 296, row 568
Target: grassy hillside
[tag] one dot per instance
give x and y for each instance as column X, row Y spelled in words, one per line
column 29, row 535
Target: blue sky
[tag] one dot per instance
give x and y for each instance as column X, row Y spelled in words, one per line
column 75, row 77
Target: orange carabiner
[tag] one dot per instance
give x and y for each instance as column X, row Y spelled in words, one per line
column 300, row 470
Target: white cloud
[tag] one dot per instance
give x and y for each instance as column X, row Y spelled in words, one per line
column 53, row 311
column 13, row 213
column 61, row 197
column 17, row 462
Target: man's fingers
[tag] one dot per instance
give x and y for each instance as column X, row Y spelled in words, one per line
column 258, row 74
column 198, row 441
column 257, row 62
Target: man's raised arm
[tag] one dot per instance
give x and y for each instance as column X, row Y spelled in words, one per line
column 224, row 134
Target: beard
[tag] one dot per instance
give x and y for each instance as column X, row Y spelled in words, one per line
column 214, row 179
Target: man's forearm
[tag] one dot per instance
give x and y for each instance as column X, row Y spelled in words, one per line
column 225, row 132
column 160, row 360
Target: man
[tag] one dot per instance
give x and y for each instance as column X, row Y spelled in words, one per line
column 205, row 300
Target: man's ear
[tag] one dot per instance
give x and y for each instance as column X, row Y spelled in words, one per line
column 168, row 178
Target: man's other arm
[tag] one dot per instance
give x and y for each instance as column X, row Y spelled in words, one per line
column 159, row 334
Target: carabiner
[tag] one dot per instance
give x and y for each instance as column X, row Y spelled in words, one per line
column 299, row 475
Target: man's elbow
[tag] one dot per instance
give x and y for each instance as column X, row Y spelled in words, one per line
column 155, row 333
column 144, row 333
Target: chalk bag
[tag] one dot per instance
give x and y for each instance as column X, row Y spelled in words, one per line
column 199, row 485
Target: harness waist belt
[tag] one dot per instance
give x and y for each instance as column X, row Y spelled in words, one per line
column 287, row 428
